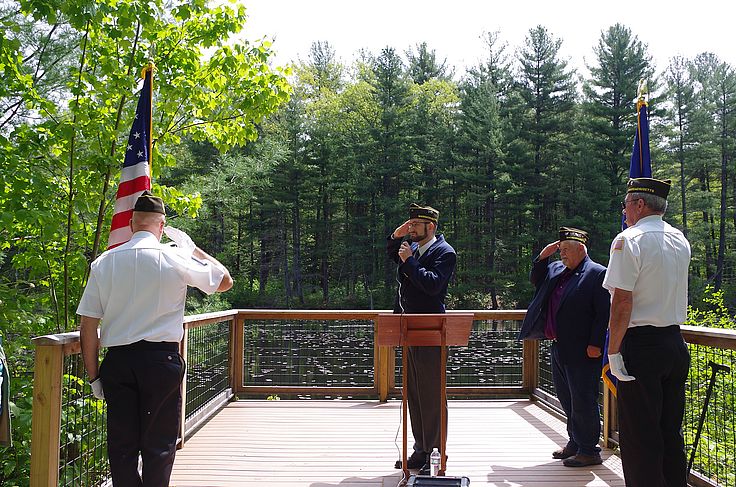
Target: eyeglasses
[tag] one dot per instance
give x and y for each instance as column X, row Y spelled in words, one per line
column 416, row 224
column 626, row 202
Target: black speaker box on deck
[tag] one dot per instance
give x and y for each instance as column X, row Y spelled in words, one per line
column 427, row 481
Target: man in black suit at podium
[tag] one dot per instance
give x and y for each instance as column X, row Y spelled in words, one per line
column 425, row 267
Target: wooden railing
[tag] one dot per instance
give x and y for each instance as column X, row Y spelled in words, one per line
column 51, row 351
column 384, row 385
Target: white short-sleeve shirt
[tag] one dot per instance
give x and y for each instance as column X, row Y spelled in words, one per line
column 139, row 290
column 651, row 259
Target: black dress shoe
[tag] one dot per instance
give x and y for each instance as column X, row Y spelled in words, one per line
column 427, row 467
column 581, row 460
column 413, row 462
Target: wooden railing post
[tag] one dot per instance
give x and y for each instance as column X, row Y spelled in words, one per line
column 46, row 416
column 383, row 368
column 183, row 349
column 606, row 415
column 237, row 338
column 530, row 366
column 610, row 423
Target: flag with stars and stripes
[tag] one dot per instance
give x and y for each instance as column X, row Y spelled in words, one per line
column 135, row 176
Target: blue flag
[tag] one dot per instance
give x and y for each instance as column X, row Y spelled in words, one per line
column 640, row 167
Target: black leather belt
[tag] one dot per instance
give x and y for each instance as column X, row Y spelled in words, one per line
column 144, row 345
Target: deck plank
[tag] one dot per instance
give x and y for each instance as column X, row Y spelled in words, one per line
column 355, row 443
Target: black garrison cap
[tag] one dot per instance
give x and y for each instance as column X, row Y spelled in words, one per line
column 656, row 187
column 569, row 233
column 423, row 213
column 146, row 202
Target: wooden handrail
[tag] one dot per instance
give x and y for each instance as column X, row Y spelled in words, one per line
column 711, row 337
column 51, row 350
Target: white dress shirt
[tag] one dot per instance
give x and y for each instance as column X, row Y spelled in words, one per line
column 651, row 259
column 139, row 290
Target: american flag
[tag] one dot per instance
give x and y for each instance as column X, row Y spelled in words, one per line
column 135, row 176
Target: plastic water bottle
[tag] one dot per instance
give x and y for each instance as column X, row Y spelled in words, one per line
column 434, row 463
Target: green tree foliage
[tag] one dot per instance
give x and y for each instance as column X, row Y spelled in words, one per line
column 507, row 151
column 718, row 462
column 621, row 60
column 423, row 65
column 69, row 73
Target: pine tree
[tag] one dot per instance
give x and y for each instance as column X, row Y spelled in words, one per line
column 548, row 90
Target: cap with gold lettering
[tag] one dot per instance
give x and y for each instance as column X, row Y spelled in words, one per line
column 149, row 203
column 569, row 233
column 657, row 187
column 423, row 213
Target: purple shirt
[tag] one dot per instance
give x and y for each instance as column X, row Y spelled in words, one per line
column 553, row 304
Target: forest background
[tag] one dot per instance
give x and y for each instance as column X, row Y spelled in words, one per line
column 294, row 177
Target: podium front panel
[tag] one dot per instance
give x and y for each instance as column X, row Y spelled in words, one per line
column 423, row 330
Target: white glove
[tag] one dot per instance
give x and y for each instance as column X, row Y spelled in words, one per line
column 618, row 369
column 181, row 240
column 97, row 388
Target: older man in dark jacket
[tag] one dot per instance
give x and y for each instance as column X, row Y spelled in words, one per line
column 571, row 308
column 425, row 267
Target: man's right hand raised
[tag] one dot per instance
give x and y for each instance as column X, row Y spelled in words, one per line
column 401, row 230
column 181, row 239
column 549, row 250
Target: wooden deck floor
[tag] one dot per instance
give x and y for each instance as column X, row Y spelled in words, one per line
column 352, row 444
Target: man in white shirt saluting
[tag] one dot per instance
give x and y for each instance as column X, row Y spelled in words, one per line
column 137, row 292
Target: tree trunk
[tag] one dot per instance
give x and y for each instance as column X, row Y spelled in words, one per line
column 296, row 269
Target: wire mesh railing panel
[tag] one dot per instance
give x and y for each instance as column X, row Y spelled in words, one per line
column 545, row 368
column 493, row 357
column 83, row 452
column 319, row 353
column 208, row 356
column 715, row 457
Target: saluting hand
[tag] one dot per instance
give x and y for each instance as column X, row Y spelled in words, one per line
column 401, row 230
column 181, row 239
column 549, row 250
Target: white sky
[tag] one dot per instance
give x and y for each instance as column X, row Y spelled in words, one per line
column 453, row 28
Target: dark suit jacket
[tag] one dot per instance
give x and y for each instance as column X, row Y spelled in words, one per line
column 582, row 316
column 423, row 281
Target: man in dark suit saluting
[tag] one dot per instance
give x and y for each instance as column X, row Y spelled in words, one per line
column 571, row 308
column 425, row 268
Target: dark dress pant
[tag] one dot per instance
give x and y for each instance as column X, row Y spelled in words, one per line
column 577, row 388
column 651, row 407
column 142, row 385
column 424, row 392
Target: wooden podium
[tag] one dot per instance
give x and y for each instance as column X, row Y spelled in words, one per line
column 424, row 330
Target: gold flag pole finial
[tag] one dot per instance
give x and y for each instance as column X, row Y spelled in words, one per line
column 642, row 89
column 641, row 92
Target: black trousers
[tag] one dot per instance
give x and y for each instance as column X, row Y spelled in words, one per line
column 651, row 407
column 423, row 397
column 577, row 387
column 142, row 384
